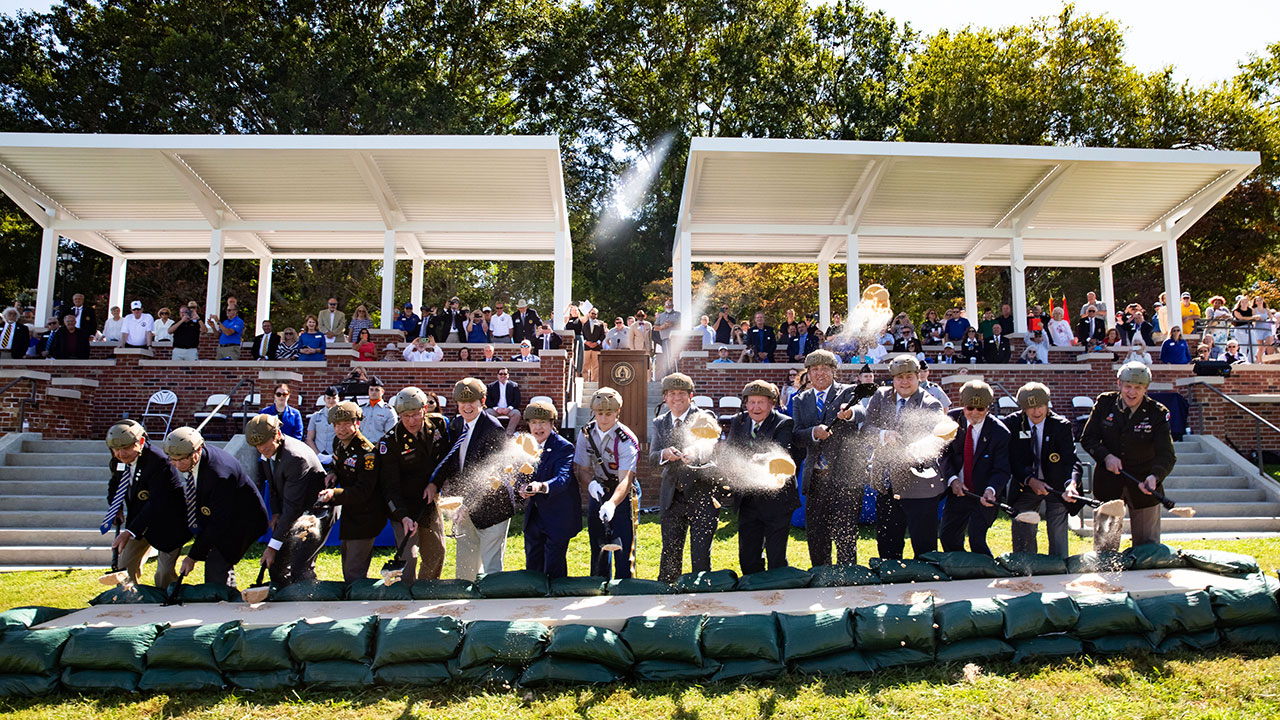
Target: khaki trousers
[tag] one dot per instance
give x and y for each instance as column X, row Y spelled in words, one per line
column 1144, row 528
column 134, row 555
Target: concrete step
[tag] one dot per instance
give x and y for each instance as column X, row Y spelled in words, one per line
column 1201, row 469
column 39, row 557
column 1191, row 458
column 56, row 472
column 43, row 488
column 1194, row 497
column 64, row 446
column 54, row 537
column 29, row 459
column 96, row 503
column 1195, row 482
column 1203, row 526
column 49, row 518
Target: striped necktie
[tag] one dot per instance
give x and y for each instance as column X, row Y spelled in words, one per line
column 190, row 492
column 117, row 502
column 453, row 450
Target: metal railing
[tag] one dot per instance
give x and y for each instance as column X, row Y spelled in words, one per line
column 1258, row 422
column 244, row 405
column 23, row 403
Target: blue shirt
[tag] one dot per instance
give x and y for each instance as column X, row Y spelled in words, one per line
column 1175, row 352
column 312, row 340
column 290, row 420
column 236, row 323
column 956, row 327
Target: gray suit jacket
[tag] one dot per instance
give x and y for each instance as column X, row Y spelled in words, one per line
column 294, row 477
column 838, row 449
column 917, row 420
column 677, row 475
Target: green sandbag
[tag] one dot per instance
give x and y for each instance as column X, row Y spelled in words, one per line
column 741, row 637
column 1154, row 556
column 28, row 685
column 350, row 640
column 256, row 649
column 190, row 646
column 1189, row 642
column 130, row 595
column 1106, row 561
column 1025, row 563
column 982, row 649
column 1038, row 614
column 577, row 586
column 1190, row 612
column 967, row 619
column 85, row 680
column 783, row 578
column 1260, row 634
column 676, row 638
column 318, row 591
column 443, row 590
column 811, row 635
column 843, row 575
column 671, row 671
column 209, row 593
column 1109, row 614
column 551, row 670
column 590, row 644
column 1119, row 644
column 417, row 640
column 1252, row 604
column 109, row 648
column 841, row 663
column 961, row 565
column 416, row 674
column 263, row 680
column 27, row 616
column 707, row 581
column 178, row 680
column 1046, row 646
column 637, row 586
column 337, row 675
column 513, row 584
column 371, row 590
column 889, row 627
column 907, row 571
column 501, row 642
column 498, row 676
column 740, row 670
column 902, row 657
column 1220, row 562
column 32, row 652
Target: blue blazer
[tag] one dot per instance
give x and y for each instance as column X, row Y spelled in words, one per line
column 558, row 513
column 229, row 509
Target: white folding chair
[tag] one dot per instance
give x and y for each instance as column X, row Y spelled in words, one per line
column 1008, row 403
column 255, row 402
column 541, row 398
column 212, row 402
column 1082, row 403
column 730, row 402
column 161, row 405
column 704, row 402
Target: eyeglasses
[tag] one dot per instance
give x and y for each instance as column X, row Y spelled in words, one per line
column 282, row 394
column 165, row 312
column 503, row 374
column 333, row 304
column 978, row 409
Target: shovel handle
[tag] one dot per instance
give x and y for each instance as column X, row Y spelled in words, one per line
column 1000, row 505
column 1166, row 502
column 261, row 574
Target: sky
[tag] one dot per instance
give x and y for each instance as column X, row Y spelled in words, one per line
column 1203, row 41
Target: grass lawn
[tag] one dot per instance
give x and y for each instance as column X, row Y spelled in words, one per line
column 1222, row 684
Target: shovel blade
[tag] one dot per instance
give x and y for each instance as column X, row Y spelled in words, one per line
column 1114, row 508
column 119, row 577
column 256, row 594
column 1029, row 517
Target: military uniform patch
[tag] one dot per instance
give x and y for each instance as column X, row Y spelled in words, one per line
column 382, row 448
column 368, row 462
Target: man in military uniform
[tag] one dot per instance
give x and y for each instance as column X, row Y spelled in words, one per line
column 294, row 476
column 379, row 417
column 826, row 421
column 145, row 497
column 975, row 461
column 604, row 460
column 764, row 515
column 320, row 432
column 553, row 510
column 407, row 455
column 358, row 491
column 909, row 487
column 1042, row 459
column 686, row 495
column 1128, row 431
column 224, row 509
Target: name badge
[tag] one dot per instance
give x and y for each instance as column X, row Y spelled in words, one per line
column 1024, row 435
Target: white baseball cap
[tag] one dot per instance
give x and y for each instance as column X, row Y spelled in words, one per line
column 135, row 305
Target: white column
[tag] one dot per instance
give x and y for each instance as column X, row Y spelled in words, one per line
column 852, row 281
column 213, row 294
column 415, row 288
column 264, row 290
column 388, row 279
column 48, row 275
column 1017, row 278
column 824, row 294
column 685, row 302
column 562, row 283
column 971, row 293
column 1107, row 288
column 1172, row 293
column 115, row 296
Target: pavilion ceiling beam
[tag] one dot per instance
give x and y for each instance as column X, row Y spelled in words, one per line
column 383, row 196
column 255, row 243
column 869, row 184
column 983, row 248
column 1201, row 202
column 33, row 202
column 344, row 226
column 93, row 241
column 1132, row 250
column 1024, row 212
column 767, row 229
column 412, row 246
column 212, row 207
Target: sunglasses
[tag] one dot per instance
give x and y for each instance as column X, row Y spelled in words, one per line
column 282, row 394
column 978, row 409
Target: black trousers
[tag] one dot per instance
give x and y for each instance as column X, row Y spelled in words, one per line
column 762, row 535
column 965, row 515
column 695, row 514
column 831, row 516
column 296, row 559
column 894, row 518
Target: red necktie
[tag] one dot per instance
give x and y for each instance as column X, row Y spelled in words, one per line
column 968, row 458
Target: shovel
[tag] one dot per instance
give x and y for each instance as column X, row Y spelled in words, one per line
column 1168, row 504
column 116, row 576
column 611, row 548
column 1114, row 508
column 258, row 591
column 175, row 595
column 1029, row 517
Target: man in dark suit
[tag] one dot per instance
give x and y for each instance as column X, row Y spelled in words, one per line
column 1042, row 460
column 525, row 323
column 1091, row 327
column 546, row 339
column 764, row 514
column 826, row 419
column 266, row 344
column 86, row 318
column 14, row 335
column 475, row 438
column 996, row 349
column 502, row 401
column 144, row 497
column 451, row 321
column 976, row 461
column 68, row 342
column 410, row 450
column 553, row 510
column 761, row 340
column 805, row 342
column 685, row 498
column 224, row 510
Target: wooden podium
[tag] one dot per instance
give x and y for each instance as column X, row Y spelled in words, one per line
column 627, row 371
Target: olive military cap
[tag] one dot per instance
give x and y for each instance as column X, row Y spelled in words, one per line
column 182, row 442
column 1033, row 394
column 540, row 410
column 345, row 411
column 1135, row 372
column 469, row 390
column 976, row 394
column 821, row 357
column 903, row 364
column 606, row 399
column 677, row 381
column 762, row 389
column 125, row 433
column 409, row 399
column 261, row 428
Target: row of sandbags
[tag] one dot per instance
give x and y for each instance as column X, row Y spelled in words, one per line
column 360, row 652
column 931, row 567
